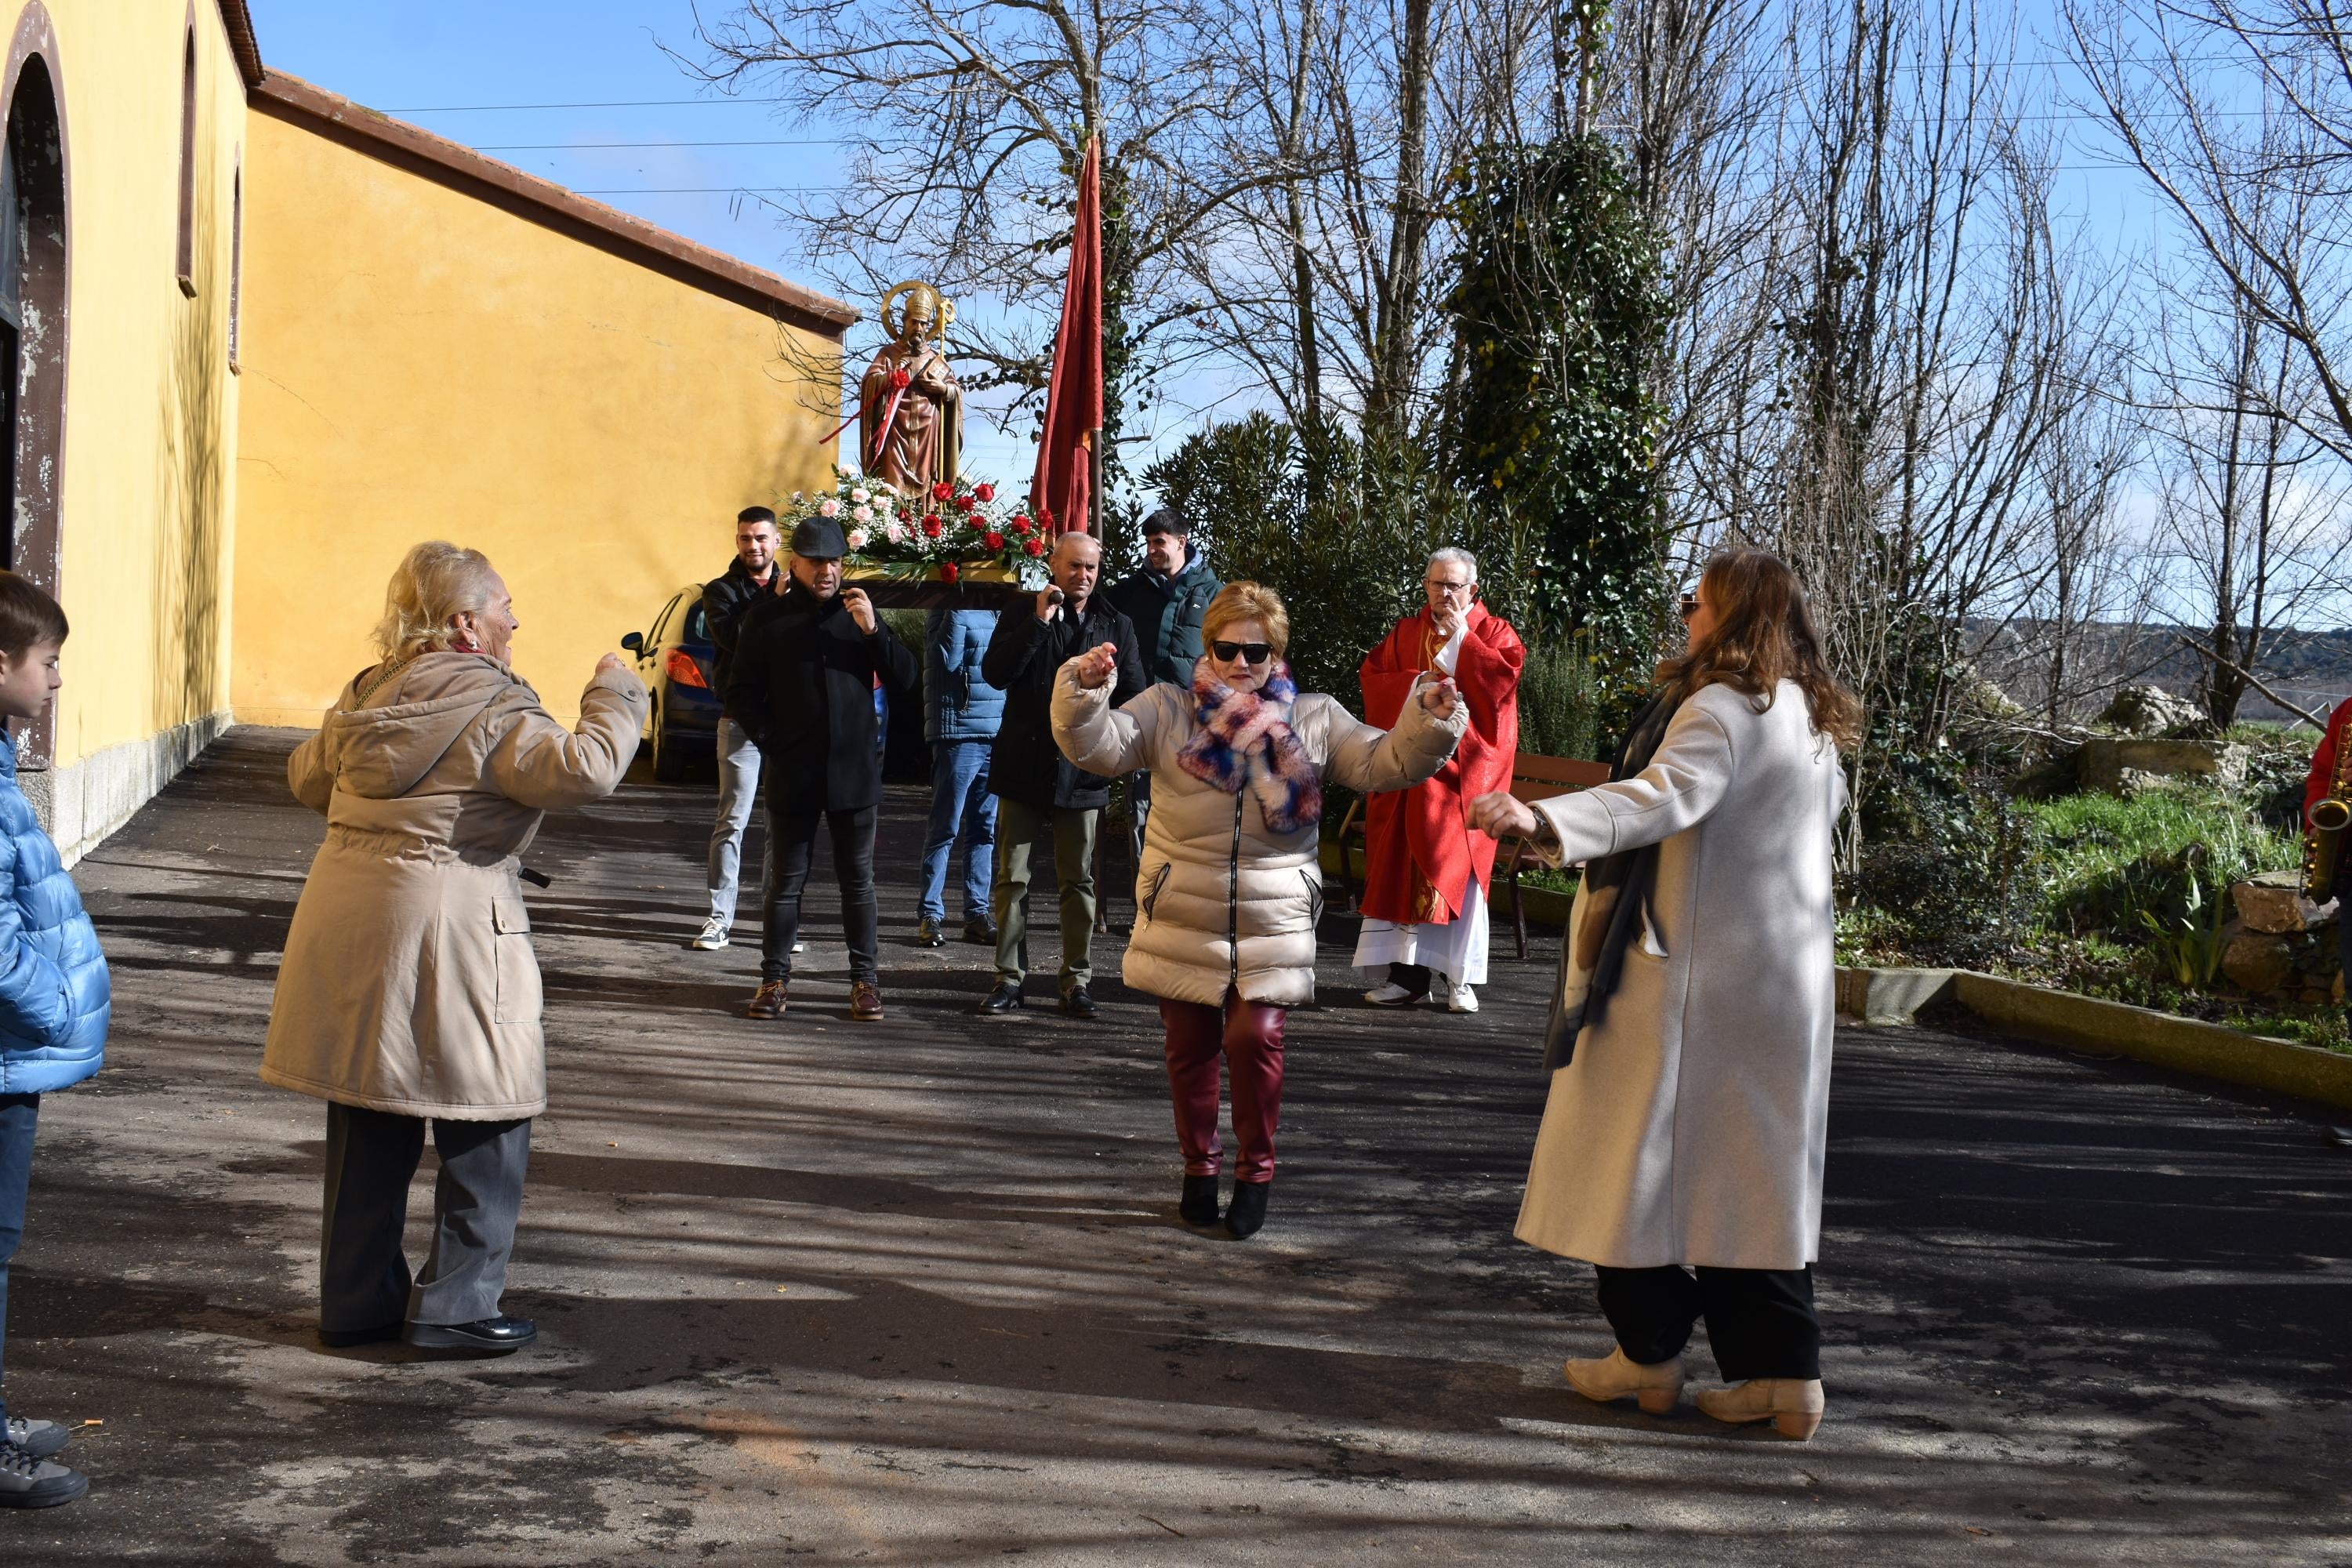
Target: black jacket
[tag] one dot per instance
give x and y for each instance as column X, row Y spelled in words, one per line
column 1022, row 657
column 803, row 685
column 1166, row 612
column 725, row 602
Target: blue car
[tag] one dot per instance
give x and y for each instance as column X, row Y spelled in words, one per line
column 674, row 660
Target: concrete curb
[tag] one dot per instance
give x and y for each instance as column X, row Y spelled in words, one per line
column 1543, row 906
column 1892, row 996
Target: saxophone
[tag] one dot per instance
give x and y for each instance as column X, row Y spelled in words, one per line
column 2323, row 841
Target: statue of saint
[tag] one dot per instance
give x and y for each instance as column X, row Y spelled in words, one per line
column 911, row 427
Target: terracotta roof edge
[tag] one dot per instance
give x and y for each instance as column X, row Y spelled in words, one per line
column 242, row 43
column 460, row 167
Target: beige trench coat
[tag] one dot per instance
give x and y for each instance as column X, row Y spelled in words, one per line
column 1222, row 900
column 1690, row 1125
column 409, row 984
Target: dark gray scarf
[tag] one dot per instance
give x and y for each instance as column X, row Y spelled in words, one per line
column 1615, row 905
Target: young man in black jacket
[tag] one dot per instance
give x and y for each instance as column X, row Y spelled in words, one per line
column 1037, row 788
column 753, row 577
column 802, row 684
column 1166, row 600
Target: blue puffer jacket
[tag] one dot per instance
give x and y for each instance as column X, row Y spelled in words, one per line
column 54, row 995
column 958, row 705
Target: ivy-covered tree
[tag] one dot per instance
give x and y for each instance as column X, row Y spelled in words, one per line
column 1559, row 312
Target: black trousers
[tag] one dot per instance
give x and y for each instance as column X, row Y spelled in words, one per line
column 792, row 850
column 1759, row 1320
column 372, row 1155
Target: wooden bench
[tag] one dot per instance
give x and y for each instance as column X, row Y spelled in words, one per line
column 1534, row 778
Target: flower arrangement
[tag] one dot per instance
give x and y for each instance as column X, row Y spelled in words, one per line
column 943, row 534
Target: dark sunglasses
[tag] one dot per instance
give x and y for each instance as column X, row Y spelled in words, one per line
column 1689, row 605
column 1256, row 652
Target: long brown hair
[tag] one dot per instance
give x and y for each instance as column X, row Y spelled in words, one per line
column 1764, row 634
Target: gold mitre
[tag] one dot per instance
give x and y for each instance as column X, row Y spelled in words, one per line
column 923, row 302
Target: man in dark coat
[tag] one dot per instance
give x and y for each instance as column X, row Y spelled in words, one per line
column 803, row 683
column 1037, row 788
column 1166, row 601
column 753, row 577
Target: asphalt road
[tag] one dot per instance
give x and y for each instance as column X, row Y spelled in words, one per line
column 915, row 1294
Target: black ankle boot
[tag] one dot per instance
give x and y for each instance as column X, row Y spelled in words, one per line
column 1246, row 1213
column 1199, row 1204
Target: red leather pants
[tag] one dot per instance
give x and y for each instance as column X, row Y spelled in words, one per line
column 1248, row 1035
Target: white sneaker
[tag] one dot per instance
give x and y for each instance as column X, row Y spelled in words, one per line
column 800, row 947
column 1390, row 995
column 1461, row 1000
column 712, row 936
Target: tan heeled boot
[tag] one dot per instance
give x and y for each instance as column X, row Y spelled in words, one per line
column 1792, row 1405
column 1656, row 1387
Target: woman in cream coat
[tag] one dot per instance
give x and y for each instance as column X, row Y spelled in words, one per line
column 1230, row 888
column 409, row 990
column 1687, row 1128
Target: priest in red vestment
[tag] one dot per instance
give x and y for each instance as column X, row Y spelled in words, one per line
column 1424, row 933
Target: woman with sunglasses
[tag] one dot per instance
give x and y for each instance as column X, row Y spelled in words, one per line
column 1230, row 888
column 1690, row 1032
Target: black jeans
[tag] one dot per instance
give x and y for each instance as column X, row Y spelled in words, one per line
column 792, row 849
column 1759, row 1320
column 18, row 1115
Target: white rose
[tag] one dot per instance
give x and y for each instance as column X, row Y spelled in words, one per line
column 829, row 507
column 857, row 538
column 896, row 532
column 860, row 495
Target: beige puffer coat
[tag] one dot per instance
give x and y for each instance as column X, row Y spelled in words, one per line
column 409, row 984
column 1222, row 901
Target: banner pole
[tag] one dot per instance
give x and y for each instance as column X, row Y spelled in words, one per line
column 1094, row 482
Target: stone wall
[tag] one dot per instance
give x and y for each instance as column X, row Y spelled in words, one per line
column 2281, row 945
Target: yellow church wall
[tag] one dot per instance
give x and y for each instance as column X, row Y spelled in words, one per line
column 422, row 363
column 146, row 489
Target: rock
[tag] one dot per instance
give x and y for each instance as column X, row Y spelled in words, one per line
column 2273, row 901
column 2151, row 710
column 2122, row 765
column 2258, row 961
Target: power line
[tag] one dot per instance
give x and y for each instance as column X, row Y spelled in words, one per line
column 616, row 103
column 584, row 146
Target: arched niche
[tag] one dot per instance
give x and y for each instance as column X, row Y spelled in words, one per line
column 34, row 230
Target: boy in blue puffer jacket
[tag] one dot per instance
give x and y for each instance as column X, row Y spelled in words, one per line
column 53, row 1000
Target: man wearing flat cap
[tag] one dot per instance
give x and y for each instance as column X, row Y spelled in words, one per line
column 807, row 662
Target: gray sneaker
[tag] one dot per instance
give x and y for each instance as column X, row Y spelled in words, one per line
column 711, row 937
column 28, row 1482
column 38, row 1439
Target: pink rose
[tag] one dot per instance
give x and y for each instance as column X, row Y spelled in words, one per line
column 857, row 538
column 829, row 507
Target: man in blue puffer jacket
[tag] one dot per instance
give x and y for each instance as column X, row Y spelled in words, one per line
column 961, row 713
column 53, row 1000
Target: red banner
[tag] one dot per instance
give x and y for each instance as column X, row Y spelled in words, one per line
column 1074, row 397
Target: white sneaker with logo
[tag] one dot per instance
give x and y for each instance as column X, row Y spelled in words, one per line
column 1462, row 999
column 1390, row 995
column 711, row 937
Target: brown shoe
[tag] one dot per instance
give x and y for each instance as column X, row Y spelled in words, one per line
column 769, row 1003
column 864, row 1001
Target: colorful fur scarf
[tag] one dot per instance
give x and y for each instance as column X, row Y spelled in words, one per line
column 1244, row 739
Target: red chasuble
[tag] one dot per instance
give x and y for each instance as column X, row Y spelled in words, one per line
column 1419, row 844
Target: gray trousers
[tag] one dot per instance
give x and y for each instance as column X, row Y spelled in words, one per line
column 372, row 1155
column 739, row 792
column 1018, row 829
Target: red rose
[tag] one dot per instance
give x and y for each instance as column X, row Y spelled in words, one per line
column 931, row 528
column 1035, row 547
column 965, row 503
column 899, row 378
column 941, row 490
column 1021, row 519
column 993, row 540
column 985, row 492
column 947, row 572
column 1021, row 526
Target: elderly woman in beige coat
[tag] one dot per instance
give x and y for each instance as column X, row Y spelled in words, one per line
column 409, row 992
column 1230, row 888
column 1686, row 1130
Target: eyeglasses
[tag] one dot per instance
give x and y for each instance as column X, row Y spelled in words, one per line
column 1450, row 588
column 1256, row 652
column 1689, row 605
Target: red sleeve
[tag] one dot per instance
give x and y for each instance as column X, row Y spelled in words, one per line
column 2322, row 760
column 1487, row 671
column 1387, row 680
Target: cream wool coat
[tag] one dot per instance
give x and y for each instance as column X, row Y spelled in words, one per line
column 1689, row 1126
column 1222, row 901
column 409, row 984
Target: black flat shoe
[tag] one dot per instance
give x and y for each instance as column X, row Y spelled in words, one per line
column 982, row 931
column 1199, row 1204
column 341, row 1339
column 1003, row 999
column 495, row 1335
column 928, row 935
column 1078, row 1004
column 1246, row 1213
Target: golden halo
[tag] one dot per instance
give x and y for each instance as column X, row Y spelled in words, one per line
column 942, row 318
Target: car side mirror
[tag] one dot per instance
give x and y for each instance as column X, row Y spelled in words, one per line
column 634, row 642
